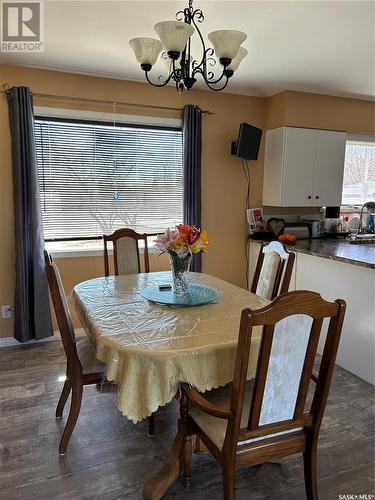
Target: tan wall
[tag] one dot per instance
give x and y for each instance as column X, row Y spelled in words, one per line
column 276, row 111
column 223, row 186
column 300, row 109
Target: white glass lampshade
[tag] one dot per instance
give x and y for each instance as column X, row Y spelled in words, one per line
column 226, row 42
column 242, row 52
column 146, row 50
column 174, row 35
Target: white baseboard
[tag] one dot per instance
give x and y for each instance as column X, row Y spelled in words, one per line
column 12, row 342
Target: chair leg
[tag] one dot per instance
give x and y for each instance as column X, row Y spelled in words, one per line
column 187, row 448
column 63, row 397
column 229, row 481
column 151, row 425
column 186, row 460
column 309, row 462
column 75, row 407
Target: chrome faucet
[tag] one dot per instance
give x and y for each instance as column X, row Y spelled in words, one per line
column 370, row 205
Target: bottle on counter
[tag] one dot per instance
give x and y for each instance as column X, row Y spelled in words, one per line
column 371, row 223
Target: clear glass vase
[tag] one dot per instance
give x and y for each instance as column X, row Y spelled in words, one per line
column 180, row 272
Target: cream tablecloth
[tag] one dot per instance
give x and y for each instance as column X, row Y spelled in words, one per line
column 150, row 348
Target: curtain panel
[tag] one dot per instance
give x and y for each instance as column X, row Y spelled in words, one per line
column 192, row 143
column 32, row 312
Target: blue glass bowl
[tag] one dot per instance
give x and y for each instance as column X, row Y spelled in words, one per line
column 196, row 295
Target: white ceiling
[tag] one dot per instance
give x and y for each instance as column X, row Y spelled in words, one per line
column 319, row 46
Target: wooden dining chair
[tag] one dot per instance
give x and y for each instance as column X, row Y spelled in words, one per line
column 249, row 423
column 82, row 366
column 126, row 258
column 273, row 270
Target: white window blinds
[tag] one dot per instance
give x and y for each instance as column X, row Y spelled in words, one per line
column 95, row 178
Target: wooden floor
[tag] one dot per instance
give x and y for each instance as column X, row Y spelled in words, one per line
column 111, row 458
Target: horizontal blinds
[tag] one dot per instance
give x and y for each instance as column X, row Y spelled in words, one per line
column 95, row 178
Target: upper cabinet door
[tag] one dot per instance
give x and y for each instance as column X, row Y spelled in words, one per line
column 329, row 168
column 299, row 167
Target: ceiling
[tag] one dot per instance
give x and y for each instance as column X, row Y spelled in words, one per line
column 319, row 46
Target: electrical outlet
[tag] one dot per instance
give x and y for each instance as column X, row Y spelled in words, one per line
column 7, row 311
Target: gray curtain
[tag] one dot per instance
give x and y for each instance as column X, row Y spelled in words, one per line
column 32, row 312
column 192, row 141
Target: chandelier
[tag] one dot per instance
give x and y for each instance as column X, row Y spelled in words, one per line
column 175, row 46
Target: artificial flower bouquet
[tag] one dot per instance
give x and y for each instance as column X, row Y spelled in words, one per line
column 182, row 240
column 180, row 243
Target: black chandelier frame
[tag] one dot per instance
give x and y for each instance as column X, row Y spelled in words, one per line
column 185, row 76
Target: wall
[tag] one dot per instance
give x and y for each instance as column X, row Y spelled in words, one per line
column 223, row 186
column 301, row 109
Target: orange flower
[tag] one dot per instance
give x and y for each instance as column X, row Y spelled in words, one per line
column 184, row 229
column 190, row 234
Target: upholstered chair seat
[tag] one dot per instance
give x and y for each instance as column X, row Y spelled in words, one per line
column 87, row 357
column 215, row 428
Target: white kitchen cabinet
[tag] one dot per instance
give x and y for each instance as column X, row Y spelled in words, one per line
column 303, row 167
column 329, row 168
column 299, row 165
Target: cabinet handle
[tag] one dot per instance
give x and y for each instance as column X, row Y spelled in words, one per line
column 309, row 197
column 317, row 197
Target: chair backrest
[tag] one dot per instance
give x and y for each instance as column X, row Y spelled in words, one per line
column 273, row 270
column 61, row 308
column 125, row 252
column 291, row 327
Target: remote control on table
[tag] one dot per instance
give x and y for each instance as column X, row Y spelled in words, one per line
column 164, row 288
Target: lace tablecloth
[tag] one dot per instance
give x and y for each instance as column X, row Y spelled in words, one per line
column 150, row 348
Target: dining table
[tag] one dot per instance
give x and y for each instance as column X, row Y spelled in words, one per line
column 149, row 348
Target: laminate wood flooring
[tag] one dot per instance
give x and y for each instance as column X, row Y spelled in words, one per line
column 111, row 458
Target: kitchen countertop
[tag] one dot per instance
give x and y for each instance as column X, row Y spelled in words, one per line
column 340, row 250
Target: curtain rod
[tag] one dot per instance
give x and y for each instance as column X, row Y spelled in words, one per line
column 103, row 101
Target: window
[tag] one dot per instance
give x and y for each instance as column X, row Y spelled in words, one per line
column 95, row 178
column 359, row 173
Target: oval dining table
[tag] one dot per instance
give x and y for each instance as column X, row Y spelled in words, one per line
column 150, row 348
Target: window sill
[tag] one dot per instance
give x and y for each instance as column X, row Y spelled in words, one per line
column 67, row 253
column 350, row 209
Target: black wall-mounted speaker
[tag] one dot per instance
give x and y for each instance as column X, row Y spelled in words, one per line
column 248, row 143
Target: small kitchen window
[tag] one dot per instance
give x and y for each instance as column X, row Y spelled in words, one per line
column 359, row 171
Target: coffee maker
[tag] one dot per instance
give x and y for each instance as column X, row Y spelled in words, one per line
column 316, row 228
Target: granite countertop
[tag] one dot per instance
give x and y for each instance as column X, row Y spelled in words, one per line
column 340, row 250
